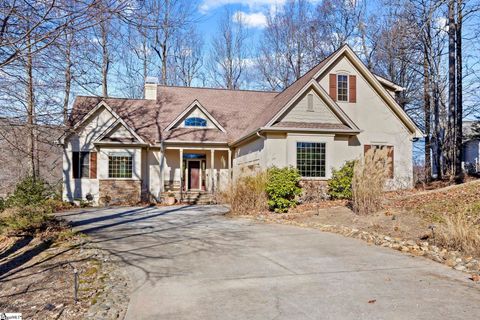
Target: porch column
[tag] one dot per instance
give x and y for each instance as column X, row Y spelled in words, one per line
column 229, row 165
column 180, row 151
column 212, row 170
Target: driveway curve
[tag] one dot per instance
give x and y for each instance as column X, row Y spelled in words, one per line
column 192, row 262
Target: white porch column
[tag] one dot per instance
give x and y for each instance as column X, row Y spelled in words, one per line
column 180, row 151
column 212, row 170
column 229, row 165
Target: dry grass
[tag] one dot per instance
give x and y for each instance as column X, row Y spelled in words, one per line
column 369, row 178
column 247, row 196
column 460, row 232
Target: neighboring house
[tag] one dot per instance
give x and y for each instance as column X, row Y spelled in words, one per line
column 471, row 149
column 15, row 161
column 186, row 140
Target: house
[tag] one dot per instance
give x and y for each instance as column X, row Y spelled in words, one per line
column 471, row 149
column 186, row 140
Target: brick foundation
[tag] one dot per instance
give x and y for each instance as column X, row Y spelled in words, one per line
column 120, row 192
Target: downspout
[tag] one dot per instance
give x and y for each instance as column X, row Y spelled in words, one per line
column 265, row 150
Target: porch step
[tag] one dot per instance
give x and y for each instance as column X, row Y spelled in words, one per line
column 194, row 197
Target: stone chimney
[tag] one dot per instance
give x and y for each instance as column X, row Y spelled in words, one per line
column 150, row 92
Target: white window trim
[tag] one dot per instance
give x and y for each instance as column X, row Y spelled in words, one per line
column 115, row 178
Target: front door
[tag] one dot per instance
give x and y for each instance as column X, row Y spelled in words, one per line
column 194, row 174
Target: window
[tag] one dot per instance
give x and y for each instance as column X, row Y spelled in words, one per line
column 81, row 164
column 311, row 159
column 120, row 165
column 342, row 87
column 195, row 122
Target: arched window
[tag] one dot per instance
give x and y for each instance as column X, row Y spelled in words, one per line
column 195, row 122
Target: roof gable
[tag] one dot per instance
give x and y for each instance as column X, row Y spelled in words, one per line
column 373, row 80
column 334, row 112
column 119, row 132
column 195, row 109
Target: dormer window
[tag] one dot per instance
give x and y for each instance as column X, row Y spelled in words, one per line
column 195, row 122
column 342, row 87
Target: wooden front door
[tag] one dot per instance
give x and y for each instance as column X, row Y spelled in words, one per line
column 194, row 175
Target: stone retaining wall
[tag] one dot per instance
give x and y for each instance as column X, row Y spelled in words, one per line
column 114, row 191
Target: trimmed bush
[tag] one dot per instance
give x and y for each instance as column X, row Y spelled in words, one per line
column 340, row 185
column 282, row 188
column 28, row 192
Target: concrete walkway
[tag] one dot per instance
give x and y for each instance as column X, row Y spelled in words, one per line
column 191, row 262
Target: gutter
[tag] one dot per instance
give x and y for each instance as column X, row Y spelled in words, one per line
column 258, row 132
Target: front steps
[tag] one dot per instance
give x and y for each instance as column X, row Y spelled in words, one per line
column 193, row 197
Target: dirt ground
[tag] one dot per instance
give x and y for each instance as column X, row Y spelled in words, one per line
column 37, row 278
column 407, row 214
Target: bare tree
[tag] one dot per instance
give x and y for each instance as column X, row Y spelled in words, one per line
column 228, row 54
column 188, row 57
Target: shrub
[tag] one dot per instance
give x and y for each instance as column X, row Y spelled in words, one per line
column 246, row 195
column 28, row 192
column 3, row 205
column 340, row 185
column 369, row 178
column 57, row 205
column 460, row 232
column 24, row 219
column 282, row 188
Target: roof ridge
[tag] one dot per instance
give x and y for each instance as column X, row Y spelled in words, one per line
column 222, row 89
column 117, row 98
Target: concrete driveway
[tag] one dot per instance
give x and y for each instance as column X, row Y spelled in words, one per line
column 191, row 262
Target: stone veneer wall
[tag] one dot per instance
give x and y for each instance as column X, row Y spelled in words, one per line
column 120, row 191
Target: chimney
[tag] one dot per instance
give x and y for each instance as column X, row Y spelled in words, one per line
column 150, row 92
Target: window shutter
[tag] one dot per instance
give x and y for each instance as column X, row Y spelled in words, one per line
column 76, row 164
column 93, row 165
column 391, row 159
column 333, row 86
column 353, row 88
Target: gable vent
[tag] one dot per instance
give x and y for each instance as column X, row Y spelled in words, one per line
column 310, row 102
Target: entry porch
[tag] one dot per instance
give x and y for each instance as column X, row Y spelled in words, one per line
column 196, row 170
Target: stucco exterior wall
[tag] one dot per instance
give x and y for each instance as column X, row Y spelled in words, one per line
column 378, row 123
column 249, row 157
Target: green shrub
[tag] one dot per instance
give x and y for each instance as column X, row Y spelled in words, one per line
column 340, row 185
column 57, row 205
column 24, row 219
column 28, row 192
column 3, row 205
column 282, row 188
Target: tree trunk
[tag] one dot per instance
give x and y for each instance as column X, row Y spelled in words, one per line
column 30, row 111
column 68, row 77
column 451, row 89
column 437, row 131
column 459, row 110
column 427, row 114
column 105, row 58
